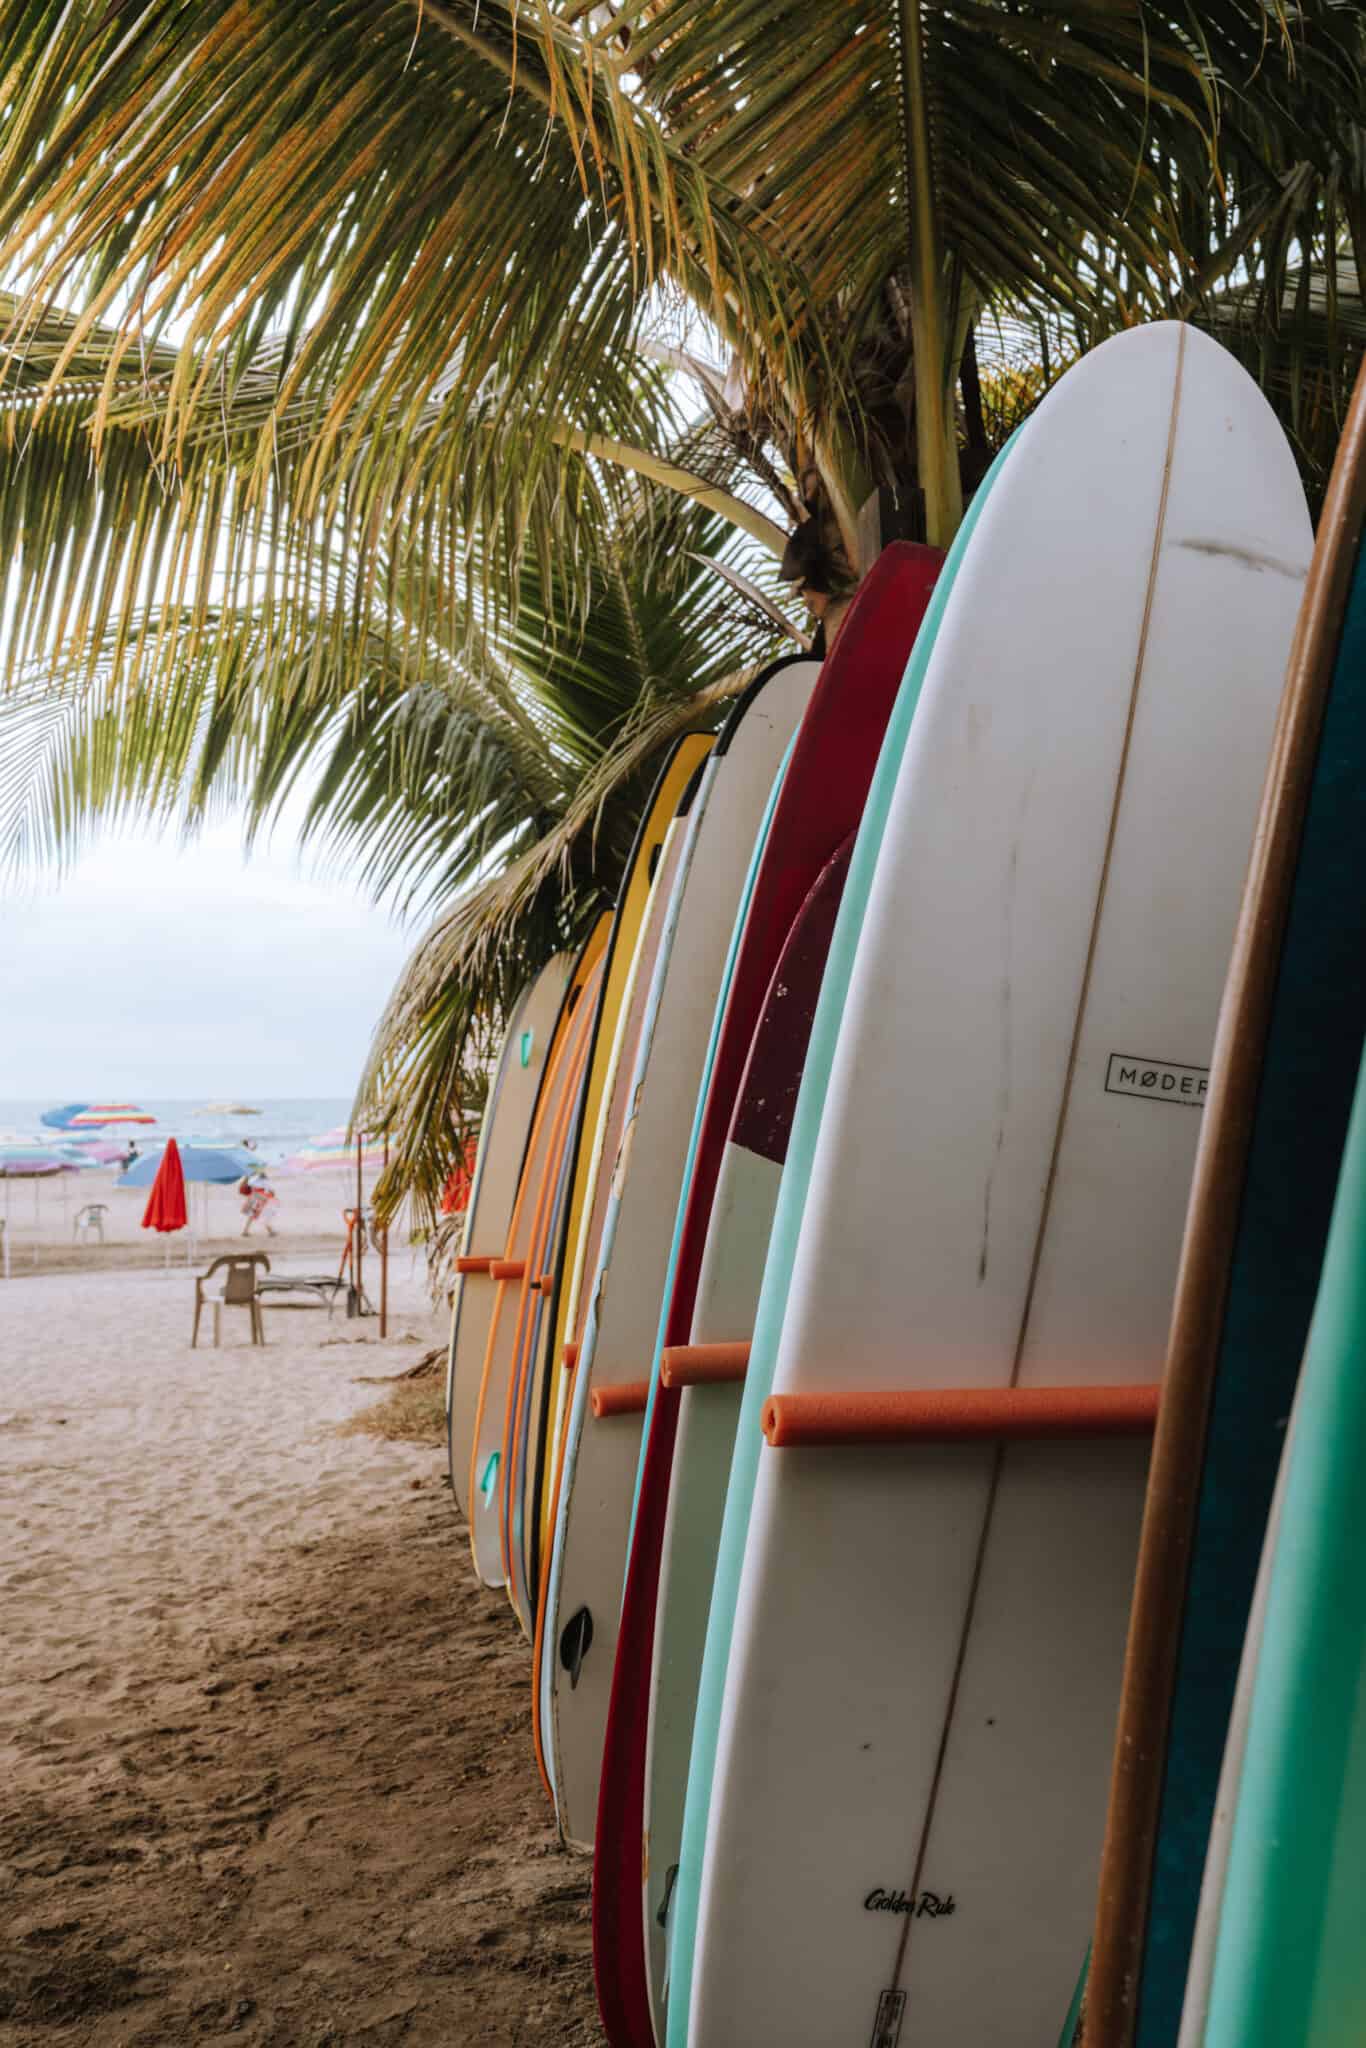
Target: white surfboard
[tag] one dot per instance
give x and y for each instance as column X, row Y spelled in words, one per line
column 601, row 1452
column 915, row 1735
column 502, row 1143
column 611, row 1123
column 727, row 1295
column 678, row 773
column 611, row 1120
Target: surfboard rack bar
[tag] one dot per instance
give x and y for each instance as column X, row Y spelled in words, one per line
column 628, row 1397
column 507, row 1269
column 472, row 1265
column 546, row 1283
column 956, row 1415
column 703, row 1365
column 571, row 1355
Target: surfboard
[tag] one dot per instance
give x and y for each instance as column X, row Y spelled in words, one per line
column 1281, row 1090
column 709, row 1400
column 509, row 1272
column 535, row 1284
column 681, row 765
column 782, row 1241
column 1195, row 2005
column 528, row 1393
column 606, row 1143
column 603, row 1430
column 527, row 1385
column 946, row 1509
column 1288, row 1963
column 535, row 1396
column 502, row 1148
column 822, row 796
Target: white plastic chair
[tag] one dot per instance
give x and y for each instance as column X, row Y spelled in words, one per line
column 238, row 1291
column 89, row 1222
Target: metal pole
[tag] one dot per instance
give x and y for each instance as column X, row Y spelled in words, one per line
column 384, row 1263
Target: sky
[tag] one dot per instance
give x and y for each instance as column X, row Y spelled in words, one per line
column 159, row 969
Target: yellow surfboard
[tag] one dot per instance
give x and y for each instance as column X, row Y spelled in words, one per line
column 682, row 765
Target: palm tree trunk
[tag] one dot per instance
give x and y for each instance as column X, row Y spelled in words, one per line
column 936, row 438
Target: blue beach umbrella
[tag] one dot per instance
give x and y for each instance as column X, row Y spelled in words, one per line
column 26, row 1162
column 201, row 1162
column 60, row 1119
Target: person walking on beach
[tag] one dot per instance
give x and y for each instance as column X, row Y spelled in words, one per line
column 256, row 1200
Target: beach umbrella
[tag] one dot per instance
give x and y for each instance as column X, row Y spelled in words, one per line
column 60, row 1119
column 334, row 1148
column 202, row 1165
column 166, row 1209
column 24, row 1161
column 28, row 1162
column 96, row 1115
column 93, row 1151
column 197, row 1162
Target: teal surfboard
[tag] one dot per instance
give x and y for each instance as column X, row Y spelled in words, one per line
column 1290, row 1962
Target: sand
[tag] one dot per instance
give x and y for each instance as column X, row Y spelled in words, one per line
column 306, row 1215
column 264, row 1743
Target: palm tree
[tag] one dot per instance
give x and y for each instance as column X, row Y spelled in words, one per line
column 365, row 433
column 489, row 760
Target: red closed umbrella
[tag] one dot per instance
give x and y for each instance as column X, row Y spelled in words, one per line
column 166, row 1203
column 455, row 1195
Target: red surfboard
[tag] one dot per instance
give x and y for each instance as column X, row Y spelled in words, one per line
column 820, row 804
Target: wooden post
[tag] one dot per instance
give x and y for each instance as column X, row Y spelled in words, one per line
column 384, row 1264
column 358, row 1241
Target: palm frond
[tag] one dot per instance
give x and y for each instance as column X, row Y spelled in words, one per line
column 340, row 426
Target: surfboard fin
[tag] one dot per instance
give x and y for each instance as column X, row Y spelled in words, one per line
column 575, row 1638
column 662, row 1916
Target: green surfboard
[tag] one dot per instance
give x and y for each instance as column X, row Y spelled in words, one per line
column 1290, row 1964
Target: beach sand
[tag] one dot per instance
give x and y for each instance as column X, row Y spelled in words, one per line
column 306, row 1214
column 264, row 1744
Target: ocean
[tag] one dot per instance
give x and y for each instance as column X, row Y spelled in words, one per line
column 284, row 1123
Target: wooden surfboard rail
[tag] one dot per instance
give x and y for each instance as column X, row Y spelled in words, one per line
column 703, row 1365
column 955, row 1415
column 627, row 1397
column 472, row 1265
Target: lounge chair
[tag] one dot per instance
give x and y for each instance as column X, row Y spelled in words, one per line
column 324, row 1286
column 239, row 1290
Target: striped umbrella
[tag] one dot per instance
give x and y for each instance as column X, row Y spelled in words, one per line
column 334, row 1148
column 98, row 1114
